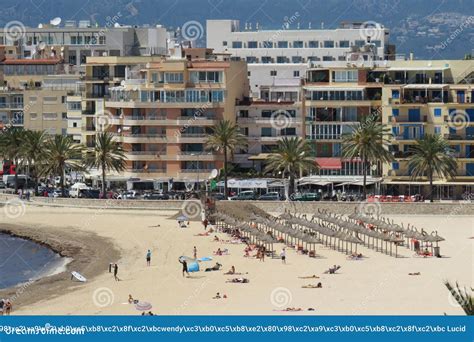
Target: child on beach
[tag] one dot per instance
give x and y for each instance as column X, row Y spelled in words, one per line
column 148, row 258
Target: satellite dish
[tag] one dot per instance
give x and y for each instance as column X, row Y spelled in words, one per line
column 40, row 25
column 116, row 25
column 56, row 21
column 41, row 46
column 214, row 174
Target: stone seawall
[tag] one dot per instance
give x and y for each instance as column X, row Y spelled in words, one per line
column 437, row 208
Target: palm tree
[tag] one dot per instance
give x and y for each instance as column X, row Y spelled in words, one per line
column 464, row 299
column 292, row 156
column 369, row 142
column 34, row 151
column 11, row 141
column 226, row 136
column 432, row 156
column 62, row 153
column 107, row 155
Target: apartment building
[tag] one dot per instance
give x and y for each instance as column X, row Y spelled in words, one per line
column 286, row 52
column 163, row 111
column 76, row 40
column 429, row 97
column 33, row 95
column 336, row 100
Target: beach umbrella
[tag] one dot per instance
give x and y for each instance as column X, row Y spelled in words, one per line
column 182, row 218
column 143, row 306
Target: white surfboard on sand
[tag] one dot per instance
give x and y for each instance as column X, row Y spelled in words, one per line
column 78, row 276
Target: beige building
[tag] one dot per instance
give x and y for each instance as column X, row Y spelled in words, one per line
column 162, row 109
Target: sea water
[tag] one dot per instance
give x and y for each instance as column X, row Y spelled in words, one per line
column 22, row 261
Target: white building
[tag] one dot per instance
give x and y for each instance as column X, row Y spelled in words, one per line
column 285, row 53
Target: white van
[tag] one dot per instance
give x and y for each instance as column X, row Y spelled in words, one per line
column 76, row 189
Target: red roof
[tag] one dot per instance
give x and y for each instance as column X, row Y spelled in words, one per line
column 329, row 163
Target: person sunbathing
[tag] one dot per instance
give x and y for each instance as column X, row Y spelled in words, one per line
column 231, row 271
column 293, row 309
column 216, row 238
column 238, row 280
column 332, row 270
column 414, row 273
column 355, row 256
column 314, row 276
column 312, row 286
column 216, row 267
column 203, row 234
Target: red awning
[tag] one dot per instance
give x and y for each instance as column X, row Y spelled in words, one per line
column 329, row 163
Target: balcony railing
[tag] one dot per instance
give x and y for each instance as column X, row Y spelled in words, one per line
column 149, row 170
column 196, row 170
column 144, row 153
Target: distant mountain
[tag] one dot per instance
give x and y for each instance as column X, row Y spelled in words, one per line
column 419, row 26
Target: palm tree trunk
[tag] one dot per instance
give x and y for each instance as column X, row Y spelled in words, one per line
column 431, row 187
column 364, row 163
column 225, row 172
column 291, row 186
column 16, row 175
column 61, row 179
column 103, row 181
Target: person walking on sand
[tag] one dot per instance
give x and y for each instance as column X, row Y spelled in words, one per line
column 185, row 266
column 195, row 252
column 116, row 272
column 283, row 256
column 148, row 258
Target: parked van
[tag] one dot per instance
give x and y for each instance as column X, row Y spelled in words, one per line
column 76, row 188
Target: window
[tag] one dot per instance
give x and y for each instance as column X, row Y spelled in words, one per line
column 327, row 58
column 237, row 45
column 296, row 73
column 154, row 77
column 50, row 99
column 206, row 76
column 273, row 72
column 395, row 165
column 282, row 44
column 437, row 129
column 281, row 59
column 252, row 45
column 395, row 111
column 313, row 44
column 33, row 116
column 173, row 77
column 343, row 43
column 74, row 124
column 345, row 76
column 251, row 59
column 266, row 60
column 395, row 94
column 289, row 131
column 267, row 113
column 377, row 43
column 298, row 44
column 328, row 43
column 437, row 112
column 224, row 43
column 33, row 99
column 297, row 59
column 266, row 132
column 267, row 44
column 64, row 116
column 359, row 43
column 50, row 116
column 102, row 40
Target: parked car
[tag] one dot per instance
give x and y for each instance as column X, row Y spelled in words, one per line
column 218, row 197
column 2, row 185
column 89, row 193
column 245, row 196
column 156, row 196
column 306, row 197
column 129, row 195
column 270, row 196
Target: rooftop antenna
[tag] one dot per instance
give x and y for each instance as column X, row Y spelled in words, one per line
column 56, row 21
column 246, row 26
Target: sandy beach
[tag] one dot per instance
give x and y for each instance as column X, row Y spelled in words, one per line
column 378, row 284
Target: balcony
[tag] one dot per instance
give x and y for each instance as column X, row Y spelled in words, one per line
column 140, row 138
column 144, row 155
column 469, row 137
